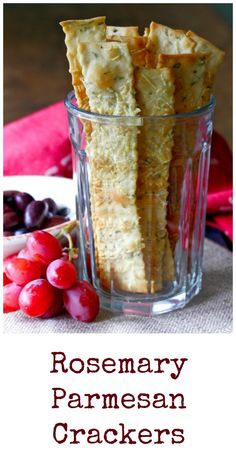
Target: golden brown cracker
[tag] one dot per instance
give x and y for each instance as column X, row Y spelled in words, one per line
column 108, row 79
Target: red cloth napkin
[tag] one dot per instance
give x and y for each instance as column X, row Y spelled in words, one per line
column 39, row 144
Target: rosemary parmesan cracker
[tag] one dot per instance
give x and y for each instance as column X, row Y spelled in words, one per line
column 174, row 50
column 77, row 31
column 113, row 31
column 137, row 48
column 135, row 42
column 165, row 40
column 151, row 87
column 214, row 58
column 189, row 72
column 108, row 79
column 155, row 96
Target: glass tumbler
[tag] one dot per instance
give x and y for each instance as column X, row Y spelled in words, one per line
column 141, row 189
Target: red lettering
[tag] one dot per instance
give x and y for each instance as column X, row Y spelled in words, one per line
column 64, row 427
column 177, row 436
column 80, row 365
column 58, row 358
column 76, row 432
column 160, row 433
column 114, row 432
column 58, row 396
column 108, row 362
column 145, row 433
column 93, row 362
column 126, row 435
column 126, row 398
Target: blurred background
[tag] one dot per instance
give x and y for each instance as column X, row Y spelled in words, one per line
column 35, row 64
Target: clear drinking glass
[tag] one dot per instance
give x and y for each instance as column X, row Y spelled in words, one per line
column 141, row 188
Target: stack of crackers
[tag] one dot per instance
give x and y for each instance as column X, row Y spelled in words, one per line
column 136, row 173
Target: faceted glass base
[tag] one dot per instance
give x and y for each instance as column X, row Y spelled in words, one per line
column 151, row 305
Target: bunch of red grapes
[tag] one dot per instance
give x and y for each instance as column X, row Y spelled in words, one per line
column 41, row 280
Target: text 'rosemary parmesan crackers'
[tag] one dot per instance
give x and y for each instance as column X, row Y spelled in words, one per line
column 137, row 172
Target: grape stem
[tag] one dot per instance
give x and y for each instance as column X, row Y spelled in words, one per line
column 66, row 232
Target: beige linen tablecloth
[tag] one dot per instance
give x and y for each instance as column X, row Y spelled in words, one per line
column 208, row 312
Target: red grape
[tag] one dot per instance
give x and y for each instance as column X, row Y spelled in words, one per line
column 36, row 297
column 11, row 294
column 7, row 259
column 24, row 253
column 61, row 274
column 21, row 271
column 81, row 301
column 65, row 256
column 56, row 306
column 44, row 247
column 6, row 280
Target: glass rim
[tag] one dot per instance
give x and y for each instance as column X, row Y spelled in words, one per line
column 132, row 120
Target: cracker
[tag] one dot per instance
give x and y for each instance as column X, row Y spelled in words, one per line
column 151, row 190
column 168, row 263
column 155, row 96
column 189, row 72
column 137, row 48
column 114, row 31
column 151, row 208
column 130, row 36
column 165, row 40
column 214, row 58
column 108, row 79
column 77, row 31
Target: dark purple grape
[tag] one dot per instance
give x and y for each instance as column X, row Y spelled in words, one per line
column 8, row 233
column 64, row 211
column 6, row 208
column 9, row 195
column 54, row 220
column 52, row 206
column 22, row 199
column 11, row 220
column 35, row 214
column 21, row 231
